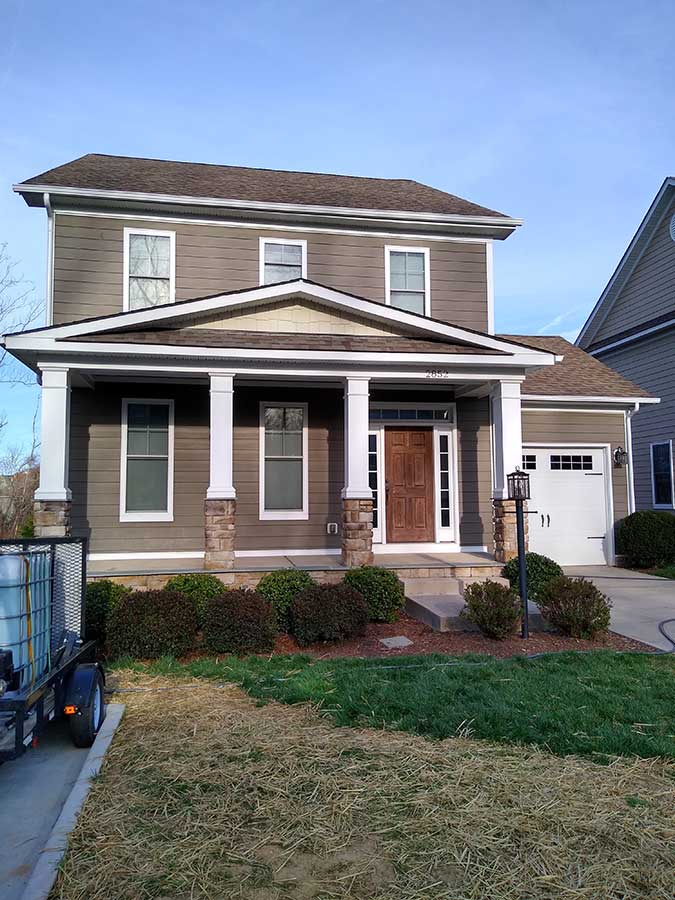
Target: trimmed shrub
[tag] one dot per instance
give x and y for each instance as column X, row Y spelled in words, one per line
column 382, row 590
column 540, row 570
column 279, row 588
column 328, row 612
column 494, row 608
column 149, row 624
column 101, row 596
column 575, row 606
column 239, row 621
column 199, row 586
column 647, row 538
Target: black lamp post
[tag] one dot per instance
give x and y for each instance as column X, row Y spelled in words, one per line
column 519, row 490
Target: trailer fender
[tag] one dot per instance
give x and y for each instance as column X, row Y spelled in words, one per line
column 80, row 685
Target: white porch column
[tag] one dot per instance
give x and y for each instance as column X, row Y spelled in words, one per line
column 55, row 435
column 221, row 434
column 507, row 434
column 356, row 440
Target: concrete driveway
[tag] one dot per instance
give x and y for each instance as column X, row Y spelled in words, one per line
column 639, row 602
column 33, row 790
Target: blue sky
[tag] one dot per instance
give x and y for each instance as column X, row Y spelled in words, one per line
column 561, row 114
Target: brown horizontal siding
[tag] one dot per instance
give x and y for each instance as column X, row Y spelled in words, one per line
column 583, row 427
column 649, row 290
column 88, row 263
column 474, row 473
column 651, row 363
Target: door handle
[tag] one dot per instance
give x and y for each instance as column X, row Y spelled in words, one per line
column 542, row 520
column 548, row 521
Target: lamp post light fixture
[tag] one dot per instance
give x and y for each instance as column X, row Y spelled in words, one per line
column 518, row 484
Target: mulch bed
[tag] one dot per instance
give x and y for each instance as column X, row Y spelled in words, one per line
column 426, row 640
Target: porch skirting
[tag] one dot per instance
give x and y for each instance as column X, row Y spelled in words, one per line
column 219, row 533
column 357, row 533
column 51, row 518
column 504, row 530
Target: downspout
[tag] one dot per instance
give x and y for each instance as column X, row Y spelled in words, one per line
column 49, row 299
column 629, row 413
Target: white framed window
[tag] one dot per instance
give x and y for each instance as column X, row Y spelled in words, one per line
column 407, row 279
column 284, row 481
column 282, row 260
column 146, row 470
column 149, row 268
column 661, row 455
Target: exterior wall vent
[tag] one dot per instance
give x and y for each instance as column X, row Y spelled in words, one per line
column 672, row 228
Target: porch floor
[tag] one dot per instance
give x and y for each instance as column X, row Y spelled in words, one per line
column 323, row 563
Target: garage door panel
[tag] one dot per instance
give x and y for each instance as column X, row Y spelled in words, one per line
column 568, row 506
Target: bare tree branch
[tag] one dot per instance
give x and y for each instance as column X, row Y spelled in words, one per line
column 19, row 474
column 19, row 308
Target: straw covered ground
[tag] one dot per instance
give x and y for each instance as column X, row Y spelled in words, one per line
column 206, row 794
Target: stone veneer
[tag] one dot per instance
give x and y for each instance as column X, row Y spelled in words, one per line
column 219, row 533
column 357, row 533
column 51, row 518
column 504, row 529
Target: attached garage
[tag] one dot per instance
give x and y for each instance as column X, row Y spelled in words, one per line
column 570, row 511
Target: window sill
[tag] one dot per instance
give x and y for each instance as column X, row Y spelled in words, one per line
column 146, row 517
column 283, row 515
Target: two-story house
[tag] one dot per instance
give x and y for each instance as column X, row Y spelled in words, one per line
column 242, row 364
column 632, row 329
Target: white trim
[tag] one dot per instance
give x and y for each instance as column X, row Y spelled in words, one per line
column 221, row 436
column 128, row 232
column 377, row 431
column 656, row 505
column 507, row 440
column 49, row 311
column 630, row 468
column 590, row 324
column 299, row 288
column 242, row 223
column 392, row 248
column 55, row 422
column 432, row 547
column 250, row 554
column 631, row 338
column 146, row 515
column 490, row 277
column 253, row 554
column 610, row 549
column 571, row 398
column 356, row 424
column 186, row 199
column 283, row 514
column 263, row 241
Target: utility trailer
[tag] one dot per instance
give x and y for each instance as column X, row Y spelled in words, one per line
column 47, row 669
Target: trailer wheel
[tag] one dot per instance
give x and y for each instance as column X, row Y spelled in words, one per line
column 84, row 725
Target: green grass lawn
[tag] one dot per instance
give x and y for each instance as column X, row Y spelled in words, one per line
column 665, row 572
column 600, row 704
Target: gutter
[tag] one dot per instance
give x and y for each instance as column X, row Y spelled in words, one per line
column 142, row 196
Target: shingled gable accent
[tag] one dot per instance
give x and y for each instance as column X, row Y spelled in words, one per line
column 176, row 315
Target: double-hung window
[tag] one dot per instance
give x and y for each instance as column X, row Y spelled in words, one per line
column 283, row 461
column 149, row 268
column 146, row 483
column 407, row 279
column 662, row 474
column 282, row 260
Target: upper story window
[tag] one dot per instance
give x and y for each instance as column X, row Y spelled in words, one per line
column 282, row 260
column 149, row 268
column 407, row 279
column 662, row 474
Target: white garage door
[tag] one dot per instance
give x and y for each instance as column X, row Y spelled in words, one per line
column 568, row 507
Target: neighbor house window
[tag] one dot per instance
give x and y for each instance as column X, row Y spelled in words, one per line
column 283, row 461
column 149, row 268
column 282, row 260
column 407, row 279
column 662, row 474
column 146, row 483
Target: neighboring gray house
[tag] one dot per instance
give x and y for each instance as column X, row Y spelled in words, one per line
column 242, row 364
column 632, row 329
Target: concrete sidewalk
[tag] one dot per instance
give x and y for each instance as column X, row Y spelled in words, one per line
column 639, row 601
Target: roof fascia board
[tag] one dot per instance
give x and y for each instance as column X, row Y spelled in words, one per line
column 598, row 314
column 631, row 338
column 587, row 400
column 299, row 288
column 141, row 196
column 28, row 343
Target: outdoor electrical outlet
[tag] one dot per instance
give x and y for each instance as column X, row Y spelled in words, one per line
column 331, row 527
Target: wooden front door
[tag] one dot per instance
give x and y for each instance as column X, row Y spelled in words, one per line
column 409, row 480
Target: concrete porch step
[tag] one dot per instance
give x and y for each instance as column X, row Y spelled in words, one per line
column 446, row 585
column 441, row 612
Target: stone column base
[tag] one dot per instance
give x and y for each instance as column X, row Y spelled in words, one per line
column 357, row 533
column 51, row 518
column 219, row 532
column 504, row 529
